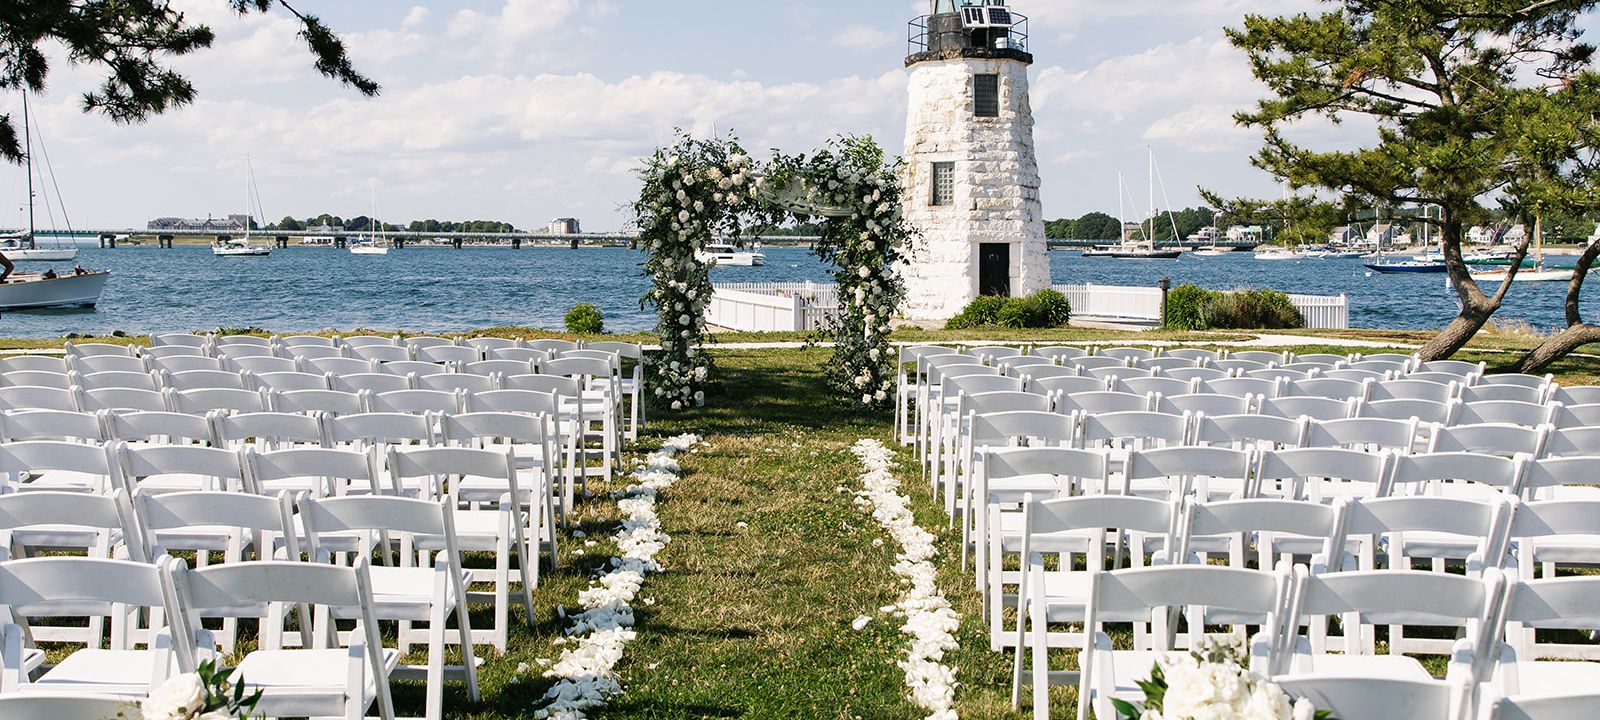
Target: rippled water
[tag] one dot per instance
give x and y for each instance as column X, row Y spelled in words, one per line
column 446, row 290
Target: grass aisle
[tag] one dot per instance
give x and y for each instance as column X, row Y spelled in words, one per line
column 754, row 621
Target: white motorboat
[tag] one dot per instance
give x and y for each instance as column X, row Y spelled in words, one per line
column 1277, row 254
column 35, row 290
column 1212, row 251
column 19, row 247
column 725, row 255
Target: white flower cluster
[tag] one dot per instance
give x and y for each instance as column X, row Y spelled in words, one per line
column 929, row 619
column 1210, row 684
column 585, row 670
column 182, row 697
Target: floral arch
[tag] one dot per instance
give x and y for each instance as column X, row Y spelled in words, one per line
column 700, row 190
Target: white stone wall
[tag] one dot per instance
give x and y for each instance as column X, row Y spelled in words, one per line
column 997, row 185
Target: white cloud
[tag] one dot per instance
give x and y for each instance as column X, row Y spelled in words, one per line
column 504, row 34
column 1203, row 129
column 415, row 18
column 861, row 37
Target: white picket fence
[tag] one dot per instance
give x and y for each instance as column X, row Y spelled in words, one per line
column 1143, row 304
column 790, row 307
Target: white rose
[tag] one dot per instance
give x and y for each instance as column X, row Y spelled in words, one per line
column 1304, row 710
column 683, row 216
column 699, row 207
column 180, row 698
column 865, row 272
column 866, row 399
column 677, row 405
column 700, row 399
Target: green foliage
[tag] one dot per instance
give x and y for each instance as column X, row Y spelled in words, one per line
column 585, row 319
column 1186, row 307
column 131, row 39
column 1191, row 307
column 1043, row 309
column 980, row 313
column 1092, row 226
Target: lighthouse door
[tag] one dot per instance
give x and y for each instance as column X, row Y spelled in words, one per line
column 994, row 269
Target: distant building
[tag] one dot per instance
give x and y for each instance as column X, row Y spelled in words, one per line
column 1246, row 234
column 1344, row 235
column 1515, row 235
column 232, row 223
column 1482, row 235
column 565, row 226
column 1384, row 234
column 1132, row 231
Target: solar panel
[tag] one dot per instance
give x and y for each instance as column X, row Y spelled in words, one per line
column 972, row 17
column 1000, row 17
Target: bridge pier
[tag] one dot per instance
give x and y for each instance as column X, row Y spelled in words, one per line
column 399, row 243
column 108, row 241
column 282, row 242
column 164, row 242
column 456, row 243
column 516, row 243
column 340, row 242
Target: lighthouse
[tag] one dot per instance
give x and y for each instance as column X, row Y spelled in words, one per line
column 971, row 173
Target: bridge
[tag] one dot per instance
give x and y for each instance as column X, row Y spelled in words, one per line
column 1060, row 244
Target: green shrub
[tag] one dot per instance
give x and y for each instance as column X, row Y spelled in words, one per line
column 585, row 319
column 1190, row 307
column 1257, row 309
column 982, row 312
column 1048, row 309
column 1187, row 305
column 1043, row 309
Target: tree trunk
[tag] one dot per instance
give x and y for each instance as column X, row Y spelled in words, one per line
column 1577, row 333
column 1476, row 308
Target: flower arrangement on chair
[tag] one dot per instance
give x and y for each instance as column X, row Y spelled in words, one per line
column 201, row 695
column 1213, row 681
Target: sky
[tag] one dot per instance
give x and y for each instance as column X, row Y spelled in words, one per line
column 527, row 110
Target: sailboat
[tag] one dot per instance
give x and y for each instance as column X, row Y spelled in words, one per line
column 21, row 246
column 1537, row 273
column 375, row 243
column 79, row 288
column 231, row 247
column 1128, row 250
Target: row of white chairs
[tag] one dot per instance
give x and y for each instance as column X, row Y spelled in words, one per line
column 488, row 508
column 1486, row 676
column 603, row 370
column 1454, row 500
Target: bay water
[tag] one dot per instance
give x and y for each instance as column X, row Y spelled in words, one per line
column 444, row 290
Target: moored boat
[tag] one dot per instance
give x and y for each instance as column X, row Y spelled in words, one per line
column 1408, row 266
column 34, row 290
column 725, row 255
column 1276, row 254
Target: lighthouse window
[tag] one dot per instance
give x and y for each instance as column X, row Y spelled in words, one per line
column 944, row 183
column 986, row 95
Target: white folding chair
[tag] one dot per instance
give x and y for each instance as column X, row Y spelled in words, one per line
column 1316, row 408
column 95, row 526
column 379, row 353
column 1367, row 599
column 1320, row 474
column 36, row 378
column 418, row 589
column 1068, row 528
column 377, row 432
column 1170, row 473
column 372, row 383
column 1508, row 411
column 315, row 682
column 326, row 402
column 120, row 591
column 454, row 382
column 202, row 401
column 418, row 401
column 91, row 349
column 176, row 468
column 1235, row 596
column 59, row 465
column 1368, row 434
column 1364, row 697
column 339, row 366
column 1244, row 431
column 452, row 354
column 103, row 363
column 501, row 531
column 356, row 341
column 290, row 381
column 122, row 400
column 527, row 437
column 45, row 363
column 260, row 365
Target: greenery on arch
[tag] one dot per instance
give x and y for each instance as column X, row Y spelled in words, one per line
column 699, row 191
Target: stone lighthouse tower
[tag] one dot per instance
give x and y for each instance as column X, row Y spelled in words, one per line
column 972, row 177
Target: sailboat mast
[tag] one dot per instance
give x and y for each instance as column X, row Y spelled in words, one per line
column 1150, row 162
column 27, row 134
column 247, row 214
column 1122, row 212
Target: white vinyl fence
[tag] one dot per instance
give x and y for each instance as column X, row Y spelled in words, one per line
column 789, row 307
column 773, row 307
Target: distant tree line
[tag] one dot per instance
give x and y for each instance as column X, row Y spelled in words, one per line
column 1100, row 226
column 362, row 223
